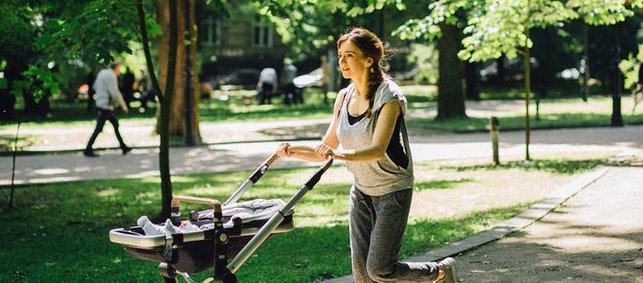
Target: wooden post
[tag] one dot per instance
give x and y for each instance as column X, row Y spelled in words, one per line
column 494, row 128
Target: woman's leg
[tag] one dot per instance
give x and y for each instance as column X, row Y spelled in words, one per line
column 391, row 214
column 360, row 224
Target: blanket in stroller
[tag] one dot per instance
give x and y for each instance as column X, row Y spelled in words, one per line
column 190, row 250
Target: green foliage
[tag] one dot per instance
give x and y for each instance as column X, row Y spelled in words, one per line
column 499, row 27
column 310, row 27
column 439, row 11
column 93, row 32
column 604, row 12
column 630, row 67
column 425, row 57
column 38, row 80
column 36, row 34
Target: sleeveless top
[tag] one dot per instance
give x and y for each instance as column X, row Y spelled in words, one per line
column 375, row 178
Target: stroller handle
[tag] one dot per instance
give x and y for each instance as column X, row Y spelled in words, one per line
column 315, row 178
column 176, row 200
column 329, row 162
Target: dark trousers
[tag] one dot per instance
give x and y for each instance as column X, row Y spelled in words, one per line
column 264, row 94
column 105, row 115
column 376, row 225
column 292, row 94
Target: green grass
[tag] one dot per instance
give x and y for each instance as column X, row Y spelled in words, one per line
column 517, row 122
column 60, row 230
column 555, row 166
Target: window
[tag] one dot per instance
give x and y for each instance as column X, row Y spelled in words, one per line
column 262, row 33
column 211, row 31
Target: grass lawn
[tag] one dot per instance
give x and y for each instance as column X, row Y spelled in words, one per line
column 60, row 231
column 557, row 113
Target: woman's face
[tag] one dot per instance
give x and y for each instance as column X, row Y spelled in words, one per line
column 352, row 61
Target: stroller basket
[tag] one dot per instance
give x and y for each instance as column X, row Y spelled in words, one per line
column 230, row 230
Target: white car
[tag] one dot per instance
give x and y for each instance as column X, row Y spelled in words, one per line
column 313, row 78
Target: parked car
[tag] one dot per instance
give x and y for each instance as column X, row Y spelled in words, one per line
column 241, row 78
column 313, row 79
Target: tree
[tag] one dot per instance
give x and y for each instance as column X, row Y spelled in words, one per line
column 178, row 110
column 498, row 27
column 27, row 73
column 442, row 22
column 450, row 92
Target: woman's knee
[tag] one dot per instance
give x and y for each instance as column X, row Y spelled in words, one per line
column 378, row 272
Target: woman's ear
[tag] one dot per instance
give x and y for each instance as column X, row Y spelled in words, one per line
column 369, row 62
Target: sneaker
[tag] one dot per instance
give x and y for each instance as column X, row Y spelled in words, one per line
column 89, row 153
column 450, row 269
column 150, row 228
column 126, row 150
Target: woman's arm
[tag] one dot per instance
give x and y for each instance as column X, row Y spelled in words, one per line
column 381, row 137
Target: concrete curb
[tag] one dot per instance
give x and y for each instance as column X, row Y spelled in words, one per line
column 518, row 222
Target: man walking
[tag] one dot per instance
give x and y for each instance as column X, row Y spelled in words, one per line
column 106, row 87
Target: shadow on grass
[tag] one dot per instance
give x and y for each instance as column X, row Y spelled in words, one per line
column 556, row 166
column 7, row 142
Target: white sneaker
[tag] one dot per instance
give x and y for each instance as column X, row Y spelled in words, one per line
column 149, row 228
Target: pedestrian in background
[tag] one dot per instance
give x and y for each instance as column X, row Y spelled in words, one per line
column 107, row 93
column 266, row 86
column 292, row 95
column 368, row 123
column 127, row 86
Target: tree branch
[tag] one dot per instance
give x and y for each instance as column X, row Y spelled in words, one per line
column 146, row 49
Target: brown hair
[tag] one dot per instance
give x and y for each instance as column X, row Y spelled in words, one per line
column 373, row 48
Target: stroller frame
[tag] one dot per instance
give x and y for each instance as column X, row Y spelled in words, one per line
column 224, row 271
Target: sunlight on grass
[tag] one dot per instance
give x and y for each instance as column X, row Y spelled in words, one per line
column 107, row 193
column 440, row 184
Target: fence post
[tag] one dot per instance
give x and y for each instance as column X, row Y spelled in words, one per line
column 494, row 128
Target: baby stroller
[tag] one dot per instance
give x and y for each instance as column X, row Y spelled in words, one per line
column 229, row 230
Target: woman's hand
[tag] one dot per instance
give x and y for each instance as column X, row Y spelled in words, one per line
column 282, row 151
column 323, row 150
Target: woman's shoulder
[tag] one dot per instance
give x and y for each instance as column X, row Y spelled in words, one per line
column 389, row 85
column 389, row 91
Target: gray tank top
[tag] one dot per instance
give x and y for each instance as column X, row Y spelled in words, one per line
column 381, row 177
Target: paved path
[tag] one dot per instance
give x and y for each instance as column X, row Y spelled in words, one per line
column 69, row 166
column 587, row 231
column 597, row 236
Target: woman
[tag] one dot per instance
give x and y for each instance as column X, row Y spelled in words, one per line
column 368, row 122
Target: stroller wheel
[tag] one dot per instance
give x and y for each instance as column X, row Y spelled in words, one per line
column 168, row 273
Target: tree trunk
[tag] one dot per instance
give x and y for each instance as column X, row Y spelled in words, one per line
column 527, row 65
column 450, row 93
column 616, row 83
column 472, row 77
column 501, row 71
column 167, row 15
column 177, row 108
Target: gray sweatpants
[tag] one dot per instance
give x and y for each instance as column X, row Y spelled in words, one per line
column 376, row 226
